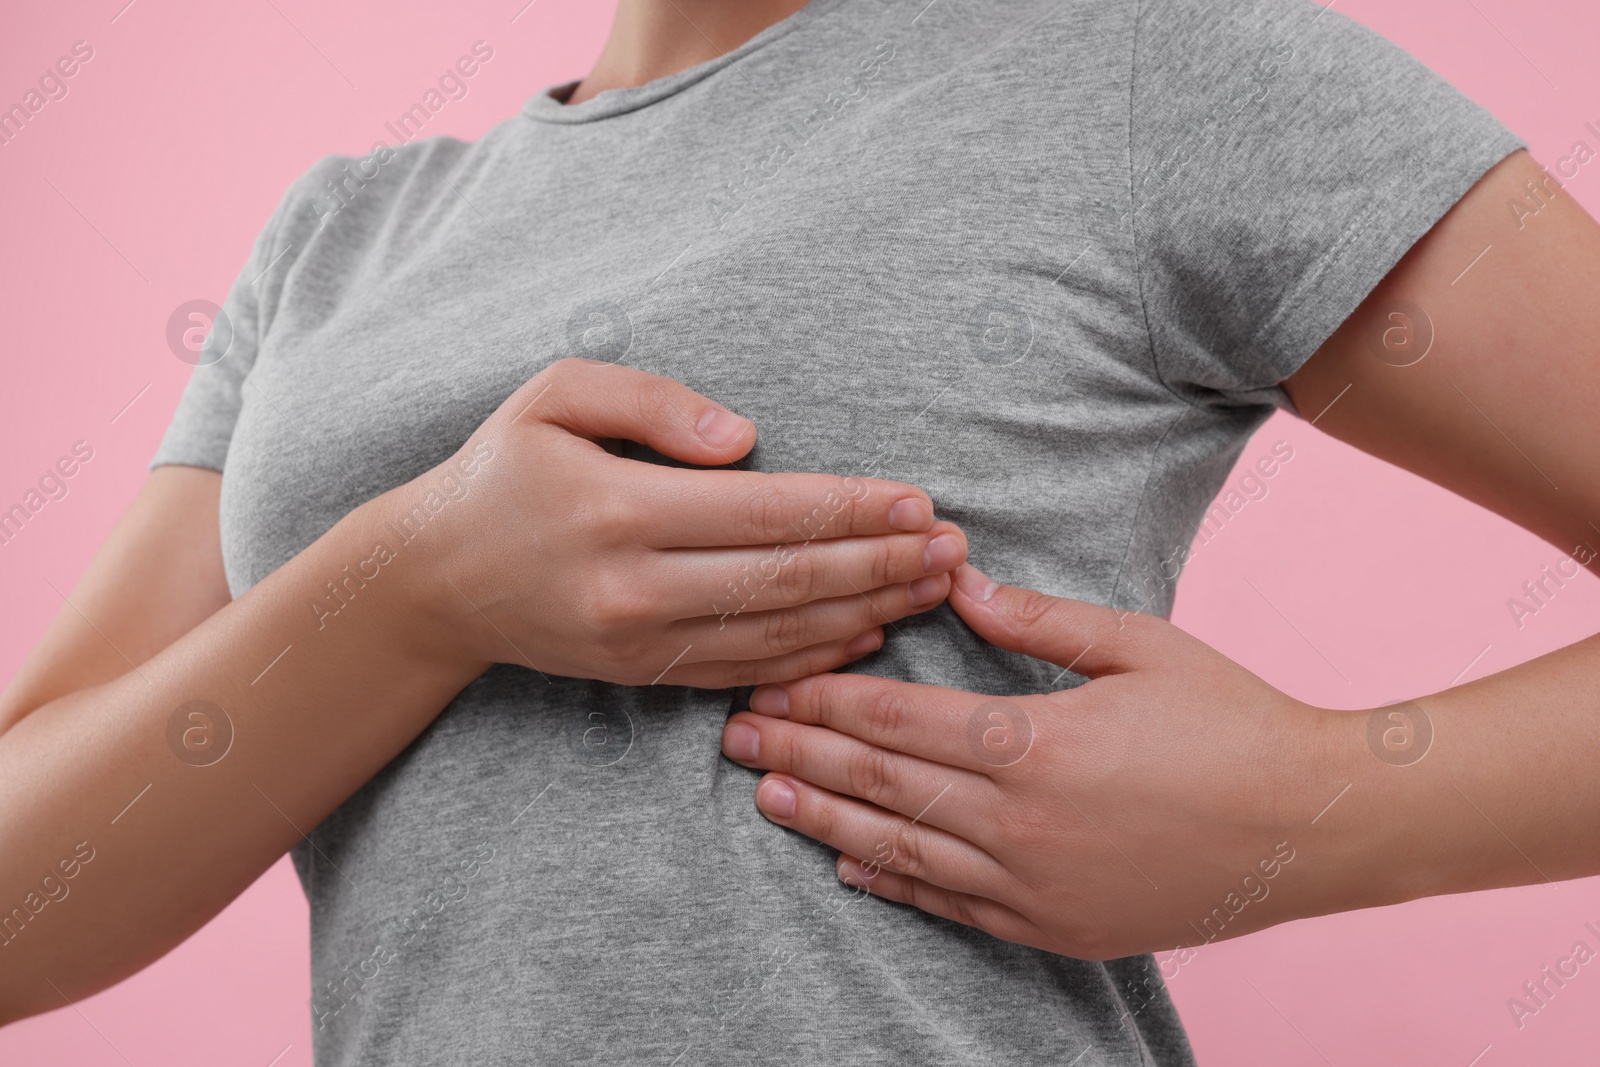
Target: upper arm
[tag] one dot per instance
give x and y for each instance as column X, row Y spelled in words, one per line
column 157, row 576
column 159, row 573
column 1499, row 306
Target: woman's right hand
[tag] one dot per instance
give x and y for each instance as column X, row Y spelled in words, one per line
column 546, row 549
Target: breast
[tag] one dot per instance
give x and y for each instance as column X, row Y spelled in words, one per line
column 867, row 325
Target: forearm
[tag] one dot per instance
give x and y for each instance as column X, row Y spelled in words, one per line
column 1506, row 793
column 317, row 706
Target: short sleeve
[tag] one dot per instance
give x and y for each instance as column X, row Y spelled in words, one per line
column 1283, row 159
column 202, row 425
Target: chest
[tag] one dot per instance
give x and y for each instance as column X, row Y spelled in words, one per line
column 867, row 324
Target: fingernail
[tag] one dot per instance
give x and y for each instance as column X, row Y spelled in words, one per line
column 974, row 584
column 925, row 591
column 850, row 873
column 770, row 700
column 911, row 514
column 870, row 641
column 741, row 741
column 721, row 427
column 942, row 553
column 775, row 798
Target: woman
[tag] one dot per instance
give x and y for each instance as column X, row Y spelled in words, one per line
column 1044, row 265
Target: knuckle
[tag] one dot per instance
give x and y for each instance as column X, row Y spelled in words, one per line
column 963, row 910
column 655, row 404
column 816, row 660
column 799, row 581
column 614, row 608
column 613, row 660
column 1134, row 635
column 1139, row 630
column 781, row 750
column 844, row 511
column 783, row 631
column 539, row 399
column 1087, row 943
column 746, row 672
column 882, row 566
column 906, row 853
column 558, row 377
column 624, row 610
column 1032, row 608
column 610, row 516
column 759, row 516
column 814, row 517
column 822, row 820
column 886, row 715
column 824, row 698
column 870, row 776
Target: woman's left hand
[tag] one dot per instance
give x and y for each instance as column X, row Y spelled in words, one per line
column 1170, row 801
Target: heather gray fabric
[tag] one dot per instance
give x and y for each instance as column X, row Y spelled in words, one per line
column 1048, row 260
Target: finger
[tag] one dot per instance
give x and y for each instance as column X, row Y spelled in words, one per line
column 603, row 400
column 728, row 674
column 714, row 509
column 886, row 841
column 1086, row 638
column 765, row 634
column 932, row 793
column 948, row 726
column 987, row 915
column 729, row 582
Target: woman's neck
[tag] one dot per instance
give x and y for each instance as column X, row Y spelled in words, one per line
column 651, row 39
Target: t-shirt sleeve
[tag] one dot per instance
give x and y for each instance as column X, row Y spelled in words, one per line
column 202, row 425
column 1284, row 158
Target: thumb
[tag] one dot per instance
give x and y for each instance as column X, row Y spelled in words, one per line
column 1086, row 638
column 603, row 400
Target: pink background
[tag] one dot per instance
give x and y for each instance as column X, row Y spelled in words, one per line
column 144, row 187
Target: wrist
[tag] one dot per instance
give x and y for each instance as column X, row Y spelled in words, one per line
column 1358, row 815
column 1401, row 827
column 415, row 546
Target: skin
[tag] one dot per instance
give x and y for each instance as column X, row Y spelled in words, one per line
column 1150, row 803
column 650, row 39
column 151, row 625
column 631, row 558
column 632, row 588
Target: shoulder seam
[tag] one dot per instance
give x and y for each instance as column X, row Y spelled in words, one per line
column 1133, row 210
column 1144, row 311
column 294, row 197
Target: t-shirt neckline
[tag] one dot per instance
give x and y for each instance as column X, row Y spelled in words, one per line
column 546, row 107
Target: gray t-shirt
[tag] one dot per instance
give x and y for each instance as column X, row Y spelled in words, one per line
column 1047, row 260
